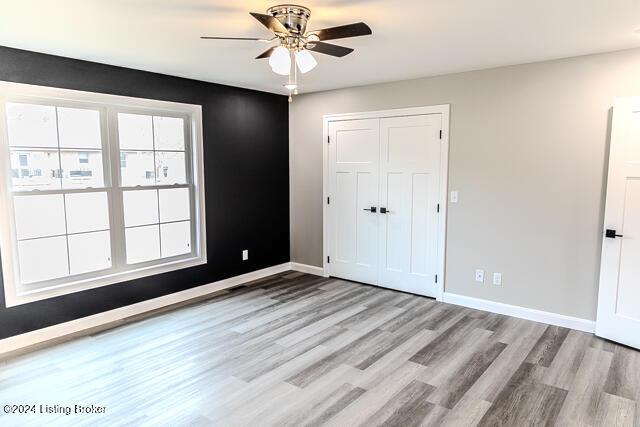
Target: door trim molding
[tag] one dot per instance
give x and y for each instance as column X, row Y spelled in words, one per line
column 577, row 323
column 309, row 269
column 443, row 109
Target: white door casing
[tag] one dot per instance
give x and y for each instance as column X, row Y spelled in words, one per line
column 413, row 153
column 354, row 165
column 409, row 191
column 619, row 295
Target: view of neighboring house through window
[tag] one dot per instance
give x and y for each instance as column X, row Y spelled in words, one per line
column 87, row 203
column 157, row 218
column 59, row 232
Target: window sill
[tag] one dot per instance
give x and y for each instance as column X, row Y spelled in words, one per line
column 13, row 299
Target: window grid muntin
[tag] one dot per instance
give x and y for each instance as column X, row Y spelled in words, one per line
column 57, row 103
column 111, row 174
column 189, row 178
column 62, row 191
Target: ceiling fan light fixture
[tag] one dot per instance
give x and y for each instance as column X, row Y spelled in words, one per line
column 280, row 61
column 305, row 61
column 288, row 25
column 291, row 86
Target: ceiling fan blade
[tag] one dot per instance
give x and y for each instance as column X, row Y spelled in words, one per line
column 270, row 22
column 329, row 49
column 342, row 32
column 267, row 53
column 234, row 38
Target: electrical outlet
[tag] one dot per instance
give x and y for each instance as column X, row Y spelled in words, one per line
column 454, row 197
column 480, row 276
column 497, row 279
column 245, row 254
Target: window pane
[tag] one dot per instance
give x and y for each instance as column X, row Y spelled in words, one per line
column 43, row 259
column 174, row 204
column 168, row 133
column 31, row 125
column 137, row 168
column 79, row 128
column 39, row 216
column 140, row 207
column 135, row 132
column 82, row 169
column 35, row 170
column 87, row 212
column 143, row 244
column 89, row 252
column 170, row 168
column 175, row 238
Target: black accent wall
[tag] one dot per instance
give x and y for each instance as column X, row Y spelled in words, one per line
column 246, row 162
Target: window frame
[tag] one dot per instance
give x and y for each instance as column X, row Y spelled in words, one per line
column 109, row 107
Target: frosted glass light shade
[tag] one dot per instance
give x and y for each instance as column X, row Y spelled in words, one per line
column 306, row 62
column 280, row 61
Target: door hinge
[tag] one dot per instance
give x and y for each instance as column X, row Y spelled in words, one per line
column 328, row 200
column 436, row 278
column 438, row 208
column 441, row 134
column 328, row 139
column 328, row 260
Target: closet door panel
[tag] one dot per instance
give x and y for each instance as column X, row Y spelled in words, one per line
column 353, row 187
column 409, row 193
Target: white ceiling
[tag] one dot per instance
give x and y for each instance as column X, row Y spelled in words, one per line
column 411, row 38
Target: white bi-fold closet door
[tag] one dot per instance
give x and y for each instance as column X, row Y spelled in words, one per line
column 384, row 211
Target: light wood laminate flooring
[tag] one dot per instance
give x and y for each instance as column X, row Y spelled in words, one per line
column 301, row 350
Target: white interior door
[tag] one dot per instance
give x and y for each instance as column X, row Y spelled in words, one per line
column 409, row 192
column 353, row 182
column 619, row 297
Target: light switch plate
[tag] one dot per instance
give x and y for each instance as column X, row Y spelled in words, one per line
column 454, row 197
column 497, row 279
column 480, row 276
column 245, row 254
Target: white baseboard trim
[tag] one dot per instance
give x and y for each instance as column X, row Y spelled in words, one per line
column 310, row 269
column 521, row 312
column 17, row 342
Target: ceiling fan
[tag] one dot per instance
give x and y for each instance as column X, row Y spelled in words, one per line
column 288, row 23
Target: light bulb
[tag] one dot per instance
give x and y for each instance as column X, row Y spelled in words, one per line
column 306, row 62
column 280, row 61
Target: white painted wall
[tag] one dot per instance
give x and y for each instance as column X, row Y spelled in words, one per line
column 528, row 156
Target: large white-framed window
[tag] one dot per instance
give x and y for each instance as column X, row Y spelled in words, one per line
column 96, row 189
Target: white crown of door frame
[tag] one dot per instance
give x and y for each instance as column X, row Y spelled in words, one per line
column 444, row 170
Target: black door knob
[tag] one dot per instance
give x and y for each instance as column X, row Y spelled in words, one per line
column 371, row 209
column 384, row 211
column 611, row 234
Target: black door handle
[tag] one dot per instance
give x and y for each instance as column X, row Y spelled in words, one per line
column 384, row 211
column 372, row 209
column 611, row 234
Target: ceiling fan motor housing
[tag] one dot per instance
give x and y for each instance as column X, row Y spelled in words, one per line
column 292, row 16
